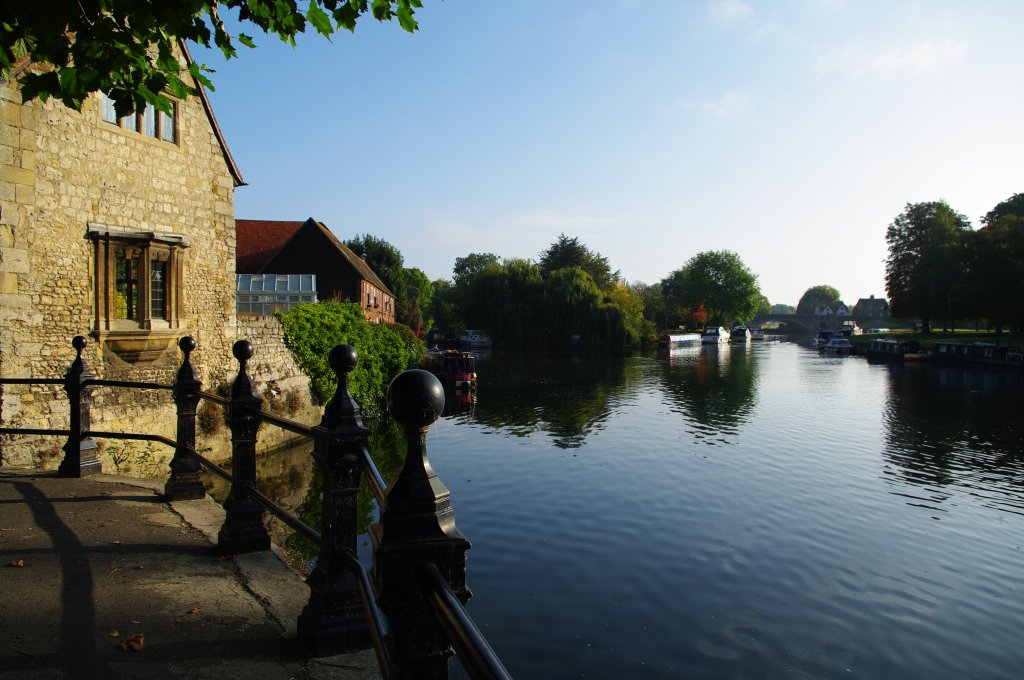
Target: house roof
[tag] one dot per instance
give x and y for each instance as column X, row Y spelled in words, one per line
column 258, row 241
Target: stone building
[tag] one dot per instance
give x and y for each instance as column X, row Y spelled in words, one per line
column 120, row 229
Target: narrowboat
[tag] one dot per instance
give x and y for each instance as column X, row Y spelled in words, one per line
column 455, row 369
column 891, row 349
column 979, row 354
column 714, row 335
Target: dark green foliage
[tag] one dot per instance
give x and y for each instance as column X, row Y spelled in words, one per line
column 127, row 48
column 384, row 259
column 311, row 331
column 816, row 295
column 1014, row 205
column 783, row 309
column 924, row 270
column 569, row 252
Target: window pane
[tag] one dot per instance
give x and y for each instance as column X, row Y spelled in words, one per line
column 167, row 124
column 243, row 282
column 109, row 114
column 158, row 289
column 257, row 283
column 282, row 282
column 126, row 288
column 149, row 121
column 130, row 122
column 307, row 283
column 293, row 282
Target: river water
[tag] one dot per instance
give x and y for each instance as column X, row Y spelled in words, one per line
column 759, row 511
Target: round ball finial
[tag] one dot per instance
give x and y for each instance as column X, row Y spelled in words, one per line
column 343, row 358
column 242, row 350
column 79, row 342
column 187, row 344
column 415, row 398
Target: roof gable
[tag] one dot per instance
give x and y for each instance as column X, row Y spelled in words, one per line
column 259, row 242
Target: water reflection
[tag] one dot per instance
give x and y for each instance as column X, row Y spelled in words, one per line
column 523, row 393
column 956, row 427
column 714, row 386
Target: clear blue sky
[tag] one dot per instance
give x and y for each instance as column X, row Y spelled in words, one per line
column 790, row 132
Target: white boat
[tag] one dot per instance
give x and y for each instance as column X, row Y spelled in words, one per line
column 679, row 339
column 713, row 335
column 837, row 344
column 757, row 334
column 474, row 340
column 740, row 335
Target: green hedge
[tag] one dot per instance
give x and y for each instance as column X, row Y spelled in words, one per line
column 310, row 331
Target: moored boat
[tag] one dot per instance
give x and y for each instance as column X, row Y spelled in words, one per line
column 453, row 368
column 740, row 335
column 713, row 335
column 679, row 339
column 838, row 345
column 980, row 354
column 757, row 334
column 475, row 340
column 823, row 336
column 891, row 349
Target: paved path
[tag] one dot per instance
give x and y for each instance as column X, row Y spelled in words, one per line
column 87, row 563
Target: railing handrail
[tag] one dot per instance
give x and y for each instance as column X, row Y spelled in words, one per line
column 339, row 440
column 475, row 655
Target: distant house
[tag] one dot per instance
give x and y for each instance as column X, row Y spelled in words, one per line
column 871, row 308
column 834, row 308
column 289, row 248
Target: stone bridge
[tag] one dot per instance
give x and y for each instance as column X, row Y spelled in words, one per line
column 810, row 323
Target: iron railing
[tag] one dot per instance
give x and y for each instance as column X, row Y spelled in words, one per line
column 410, row 607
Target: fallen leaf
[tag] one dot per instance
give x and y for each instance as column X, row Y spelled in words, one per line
column 114, row 633
column 133, row 642
column 6, row 529
column 194, row 610
column 116, row 542
column 17, row 563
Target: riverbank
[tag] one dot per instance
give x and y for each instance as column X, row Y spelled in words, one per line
column 103, row 578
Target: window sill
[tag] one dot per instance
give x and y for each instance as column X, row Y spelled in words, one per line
column 138, row 346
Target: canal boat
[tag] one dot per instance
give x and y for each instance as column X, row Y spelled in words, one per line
column 740, row 335
column 455, row 369
column 714, row 335
column 979, row 354
column 472, row 339
column 838, row 345
column 891, row 349
column 823, row 336
column 679, row 339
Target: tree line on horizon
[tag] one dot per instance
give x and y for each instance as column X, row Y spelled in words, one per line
column 940, row 270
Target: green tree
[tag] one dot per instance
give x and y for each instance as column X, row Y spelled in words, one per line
column 1014, row 205
column 995, row 273
column 720, row 281
column 128, row 48
column 415, row 311
column 817, row 295
column 926, row 262
column 466, row 268
column 569, row 252
column 384, row 259
column 783, row 309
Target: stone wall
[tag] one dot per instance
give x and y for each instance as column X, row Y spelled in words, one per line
column 62, row 170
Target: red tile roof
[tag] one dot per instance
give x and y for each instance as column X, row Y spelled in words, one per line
column 259, row 240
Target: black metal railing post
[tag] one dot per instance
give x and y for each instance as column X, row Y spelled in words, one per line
column 184, row 483
column 243, row 529
column 80, row 452
column 333, row 621
column 418, row 527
